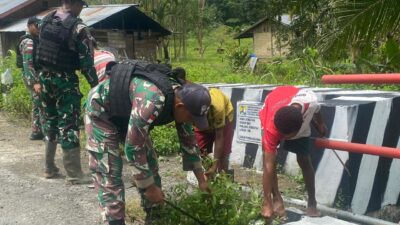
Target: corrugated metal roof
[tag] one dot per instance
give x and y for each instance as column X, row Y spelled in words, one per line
column 90, row 16
column 285, row 20
column 95, row 14
column 7, row 5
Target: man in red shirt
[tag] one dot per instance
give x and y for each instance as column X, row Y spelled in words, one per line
column 286, row 116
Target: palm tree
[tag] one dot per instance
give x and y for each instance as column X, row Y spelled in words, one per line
column 359, row 23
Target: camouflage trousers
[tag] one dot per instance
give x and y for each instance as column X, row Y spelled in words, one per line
column 106, row 165
column 37, row 113
column 37, row 110
column 61, row 106
column 107, row 175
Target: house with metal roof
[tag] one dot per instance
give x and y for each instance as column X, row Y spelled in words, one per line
column 266, row 41
column 122, row 27
column 12, row 10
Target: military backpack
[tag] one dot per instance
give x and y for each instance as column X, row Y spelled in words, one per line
column 19, row 61
column 120, row 76
column 56, row 50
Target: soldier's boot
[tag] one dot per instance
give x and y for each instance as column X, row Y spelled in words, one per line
column 153, row 216
column 72, row 165
column 117, row 222
column 51, row 169
column 35, row 136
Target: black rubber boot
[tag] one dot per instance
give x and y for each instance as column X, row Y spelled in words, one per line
column 36, row 136
column 116, row 222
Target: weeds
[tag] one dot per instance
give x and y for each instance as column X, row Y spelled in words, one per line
column 165, row 140
column 227, row 204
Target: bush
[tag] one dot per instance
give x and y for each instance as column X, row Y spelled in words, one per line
column 18, row 100
column 227, row 204
column 280, row 71
column 165, row 139
column 237, row 57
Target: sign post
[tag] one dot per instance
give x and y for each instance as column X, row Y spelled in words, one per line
column 248, row 126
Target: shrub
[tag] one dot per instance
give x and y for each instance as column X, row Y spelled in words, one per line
column 18, row 100
column 227, row 204
column 165, row 139
column 237, row 56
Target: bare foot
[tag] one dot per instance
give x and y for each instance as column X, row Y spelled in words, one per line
column 279, row 208
column 267, row 211
column 313, row 212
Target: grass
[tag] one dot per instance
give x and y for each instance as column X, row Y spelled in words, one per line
column 214, row 67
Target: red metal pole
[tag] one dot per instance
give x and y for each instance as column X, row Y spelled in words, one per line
column 358, row 148
column 392, row 78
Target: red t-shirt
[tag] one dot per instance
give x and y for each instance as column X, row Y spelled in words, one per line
column 278, row 98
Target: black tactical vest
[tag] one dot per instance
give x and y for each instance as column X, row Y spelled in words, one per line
column 19, row 60
column 56, row 50
column 120, row 103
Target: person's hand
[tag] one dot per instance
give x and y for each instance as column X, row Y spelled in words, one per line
column 203, row 186
column 212, row 170
column 202, row 180
column 37, row 88
column 322, row 130
column 154, row 194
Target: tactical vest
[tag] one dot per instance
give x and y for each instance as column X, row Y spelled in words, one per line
column 121, row 76
column 55, row 51
column 19, row 60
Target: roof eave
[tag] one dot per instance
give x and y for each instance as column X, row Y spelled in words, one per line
column 247, row 32
column 13, row 10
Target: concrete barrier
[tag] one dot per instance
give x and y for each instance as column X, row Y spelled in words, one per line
column 358, row 116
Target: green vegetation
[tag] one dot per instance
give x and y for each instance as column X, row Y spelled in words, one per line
column 165, row 140
column 331, row 37
column 18, row 100
column 227, row 204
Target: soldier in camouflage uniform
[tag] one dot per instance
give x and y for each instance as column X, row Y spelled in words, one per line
column 65, row 46
column 190, row 104
column 26, row 53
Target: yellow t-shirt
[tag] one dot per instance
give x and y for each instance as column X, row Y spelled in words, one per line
column 221, row 109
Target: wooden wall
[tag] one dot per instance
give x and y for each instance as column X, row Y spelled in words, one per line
column 265, row 42
column 136, row 45
column 8, row 41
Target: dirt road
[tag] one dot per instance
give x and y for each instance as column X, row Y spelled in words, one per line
column 26, row 198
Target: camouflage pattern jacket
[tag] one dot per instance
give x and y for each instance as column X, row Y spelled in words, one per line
column 147, row 103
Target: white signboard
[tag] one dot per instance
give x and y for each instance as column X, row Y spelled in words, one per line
column 252, row 63
column 248, row 126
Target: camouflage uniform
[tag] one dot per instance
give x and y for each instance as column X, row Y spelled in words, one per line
column 61, row 95
column 103, row 139
column 31, row 77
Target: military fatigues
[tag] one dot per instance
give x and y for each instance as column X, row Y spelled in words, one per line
column 31, row 77
column 61, row 94
column 103, row 138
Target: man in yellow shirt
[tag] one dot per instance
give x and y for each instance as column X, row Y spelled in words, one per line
column 220, row 132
